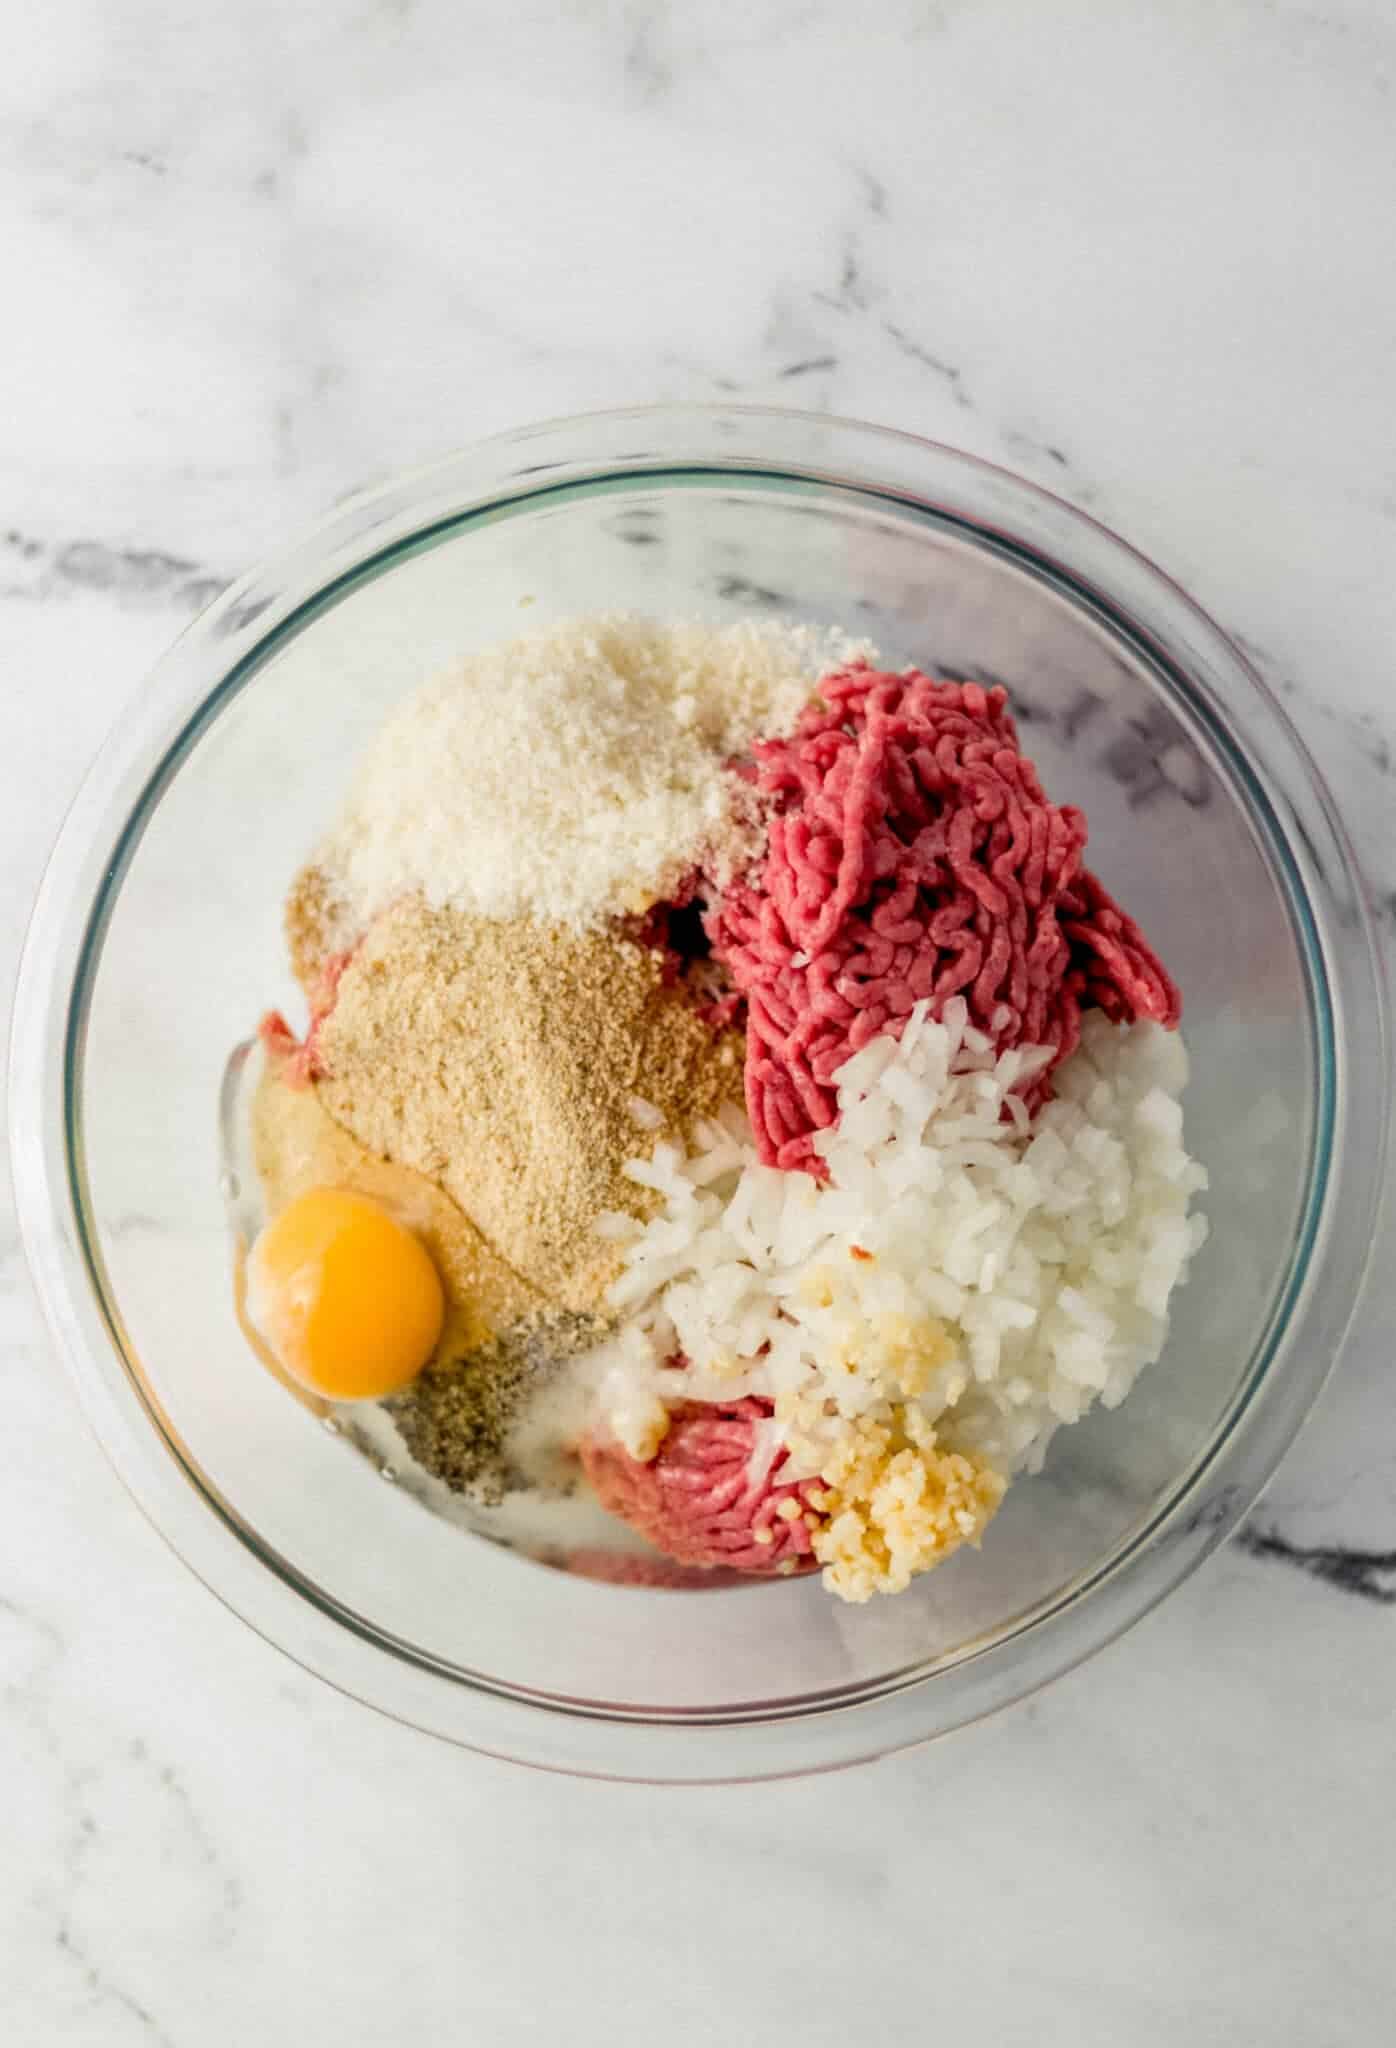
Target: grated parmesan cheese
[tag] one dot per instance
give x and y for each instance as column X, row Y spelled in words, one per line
column 575, row 773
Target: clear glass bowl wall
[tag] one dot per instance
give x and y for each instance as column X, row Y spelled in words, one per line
column 161, row 943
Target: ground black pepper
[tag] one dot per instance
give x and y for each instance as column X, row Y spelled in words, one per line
column 455, row 1418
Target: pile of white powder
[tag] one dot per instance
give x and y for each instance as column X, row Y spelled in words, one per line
column 576, row 773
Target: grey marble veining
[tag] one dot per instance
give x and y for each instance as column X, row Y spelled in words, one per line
column 1141, row 254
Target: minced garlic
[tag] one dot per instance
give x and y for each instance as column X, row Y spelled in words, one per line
column 897, row 1354
column 890, row 1357
column 723, row 1365
column 640, row 1426
column 909, row 1352
column 896, row 1505
column 817, row 1287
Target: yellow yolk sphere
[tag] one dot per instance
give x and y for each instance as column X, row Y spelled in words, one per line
column 345, row 1295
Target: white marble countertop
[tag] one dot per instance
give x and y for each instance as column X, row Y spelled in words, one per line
column 1142, row 253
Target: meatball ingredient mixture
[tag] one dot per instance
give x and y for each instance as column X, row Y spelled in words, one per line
column 593, row 891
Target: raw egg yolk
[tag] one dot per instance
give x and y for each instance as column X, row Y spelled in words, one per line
column 346, row 1296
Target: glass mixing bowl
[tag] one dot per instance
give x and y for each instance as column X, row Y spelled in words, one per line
column 156, row 942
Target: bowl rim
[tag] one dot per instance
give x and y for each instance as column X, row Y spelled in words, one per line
column 62, row 948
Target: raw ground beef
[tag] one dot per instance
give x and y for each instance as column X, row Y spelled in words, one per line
column 913, row 854
column 696, row 1499
column 303, row 1061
